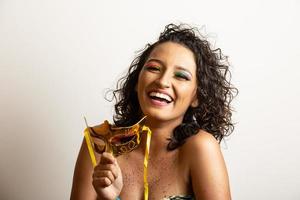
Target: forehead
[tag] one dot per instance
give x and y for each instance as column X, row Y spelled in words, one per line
column 172, row 53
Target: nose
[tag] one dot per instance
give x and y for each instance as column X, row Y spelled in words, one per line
column 164, row 81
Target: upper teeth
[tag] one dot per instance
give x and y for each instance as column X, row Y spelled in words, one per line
column 161, row 95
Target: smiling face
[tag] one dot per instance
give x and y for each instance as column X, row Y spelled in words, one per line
column 167, row 84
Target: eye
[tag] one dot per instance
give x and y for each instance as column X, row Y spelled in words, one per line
column 152, row 68
column 182, row 75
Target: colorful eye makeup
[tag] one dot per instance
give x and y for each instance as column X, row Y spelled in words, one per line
column 183, row 75
column 151, row 67
column 180, row 72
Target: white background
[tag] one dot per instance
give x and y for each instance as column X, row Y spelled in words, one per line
column 58, row 57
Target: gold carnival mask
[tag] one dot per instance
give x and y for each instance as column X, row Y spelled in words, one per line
column 116, row 140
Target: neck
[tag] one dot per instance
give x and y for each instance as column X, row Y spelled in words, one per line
column 161, row 131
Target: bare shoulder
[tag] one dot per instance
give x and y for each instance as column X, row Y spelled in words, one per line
column 207, row 167
column 201, row 148
column 201, row 143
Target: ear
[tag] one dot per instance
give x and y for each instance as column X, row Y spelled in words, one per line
column 195, row 102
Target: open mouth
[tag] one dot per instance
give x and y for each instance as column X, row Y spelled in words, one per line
column 160, row 97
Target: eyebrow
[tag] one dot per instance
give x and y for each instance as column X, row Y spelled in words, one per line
column 162, row 63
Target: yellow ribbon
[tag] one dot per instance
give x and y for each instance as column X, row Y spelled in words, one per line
column 146, row 158
column 88, row 141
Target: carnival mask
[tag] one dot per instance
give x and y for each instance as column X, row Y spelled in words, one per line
column 116, row 140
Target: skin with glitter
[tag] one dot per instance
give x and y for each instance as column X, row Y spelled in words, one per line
column 181, row 85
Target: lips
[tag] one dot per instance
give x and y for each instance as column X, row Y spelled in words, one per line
column 160, row 96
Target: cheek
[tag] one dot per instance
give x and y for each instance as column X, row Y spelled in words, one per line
column 139, row 83
column 188, row 93
column 140, row 86
column 143, row 80
column 187, row 89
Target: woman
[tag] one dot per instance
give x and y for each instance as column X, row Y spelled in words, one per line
column 184, row 89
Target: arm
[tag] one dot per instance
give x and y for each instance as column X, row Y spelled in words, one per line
column 105, row 178
column 207, row 168
column 82, row 188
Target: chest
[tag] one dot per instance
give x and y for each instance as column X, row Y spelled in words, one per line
column 167, row 175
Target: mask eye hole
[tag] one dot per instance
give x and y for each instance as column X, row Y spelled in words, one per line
column 98, row 141
column 99, row 145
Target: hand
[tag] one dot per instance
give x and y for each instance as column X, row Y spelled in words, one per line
column 107, row 177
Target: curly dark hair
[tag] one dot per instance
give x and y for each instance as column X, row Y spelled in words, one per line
column 214, row 89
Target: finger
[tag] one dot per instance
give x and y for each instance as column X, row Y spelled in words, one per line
column 107, row 158
column 102, row 182
column 104, row 174
column 107, row 167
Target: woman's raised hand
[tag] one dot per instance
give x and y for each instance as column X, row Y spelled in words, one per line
column 107, row 177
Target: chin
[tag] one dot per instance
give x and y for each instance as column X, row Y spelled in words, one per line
column 154, row 115
column 161, row 116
